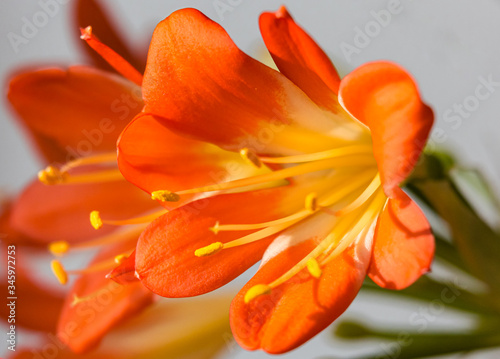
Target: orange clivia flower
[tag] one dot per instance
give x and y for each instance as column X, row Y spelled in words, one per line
column 319, row 161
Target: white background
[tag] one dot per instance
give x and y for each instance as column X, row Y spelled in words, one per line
column 448, row 45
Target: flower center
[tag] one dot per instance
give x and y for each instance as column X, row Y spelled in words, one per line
column 345, row 184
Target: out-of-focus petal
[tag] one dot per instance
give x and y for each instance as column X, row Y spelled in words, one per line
column 61, row 212
column 36, row 307
column 104, row 304
column 80, row 110
column 168, row 329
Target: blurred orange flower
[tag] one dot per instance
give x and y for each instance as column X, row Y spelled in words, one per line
column 74, row 117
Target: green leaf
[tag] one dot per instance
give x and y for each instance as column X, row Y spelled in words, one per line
column 477, row 243
column 450, row 294
column 407, row 345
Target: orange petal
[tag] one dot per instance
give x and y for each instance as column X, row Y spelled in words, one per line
column 299, row 58
column 404, row 244
column 154, row 158
column 301, row 307
column 61, row 212
column 10, row 234
column 385, row 97
column 203, row 86
column 92, row 13
column 82, row 110
column 165, row 259
column 47, row 148
column 83, row 325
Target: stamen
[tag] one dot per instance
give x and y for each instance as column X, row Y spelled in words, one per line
column 95, row 220
column 59, row 272
column 123, row 222
column 90, row 160
column 276, row 226
column 283, row 173
column 59, row 248
column 256, row 291
column 96, row 267
column 363, row 197
column 334, row 153
column 345, row 231
column 165, row 196
column 209, row 250
column 328, row 200
column 369, row 215
column 314, row 268
column 266, row 232
column 304, row 262
column 115, row 237
column 311, row 202
column 52, row 176
column 247, row 227
column 116, row 61
column 62, row 274
column 359, row 180
column 251, row 157
column 343, row 226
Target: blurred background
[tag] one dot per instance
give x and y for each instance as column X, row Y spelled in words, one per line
column 450, row 46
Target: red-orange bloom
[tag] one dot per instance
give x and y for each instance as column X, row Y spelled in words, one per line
column 301, row 170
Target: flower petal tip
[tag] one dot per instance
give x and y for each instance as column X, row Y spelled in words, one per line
column 282, row 13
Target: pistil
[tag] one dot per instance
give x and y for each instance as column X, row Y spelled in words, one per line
column 116, row 61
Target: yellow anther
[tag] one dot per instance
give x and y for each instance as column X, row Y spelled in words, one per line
column 209, row 250
column 215, row 228
column 314, row 268
column 311, row 202
column 51, row 176
column 165, row 196
column 256, row 291
column 119, row 259
column 59, row 271
column 95, row 219
column 251, row 157
column 59, row 248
